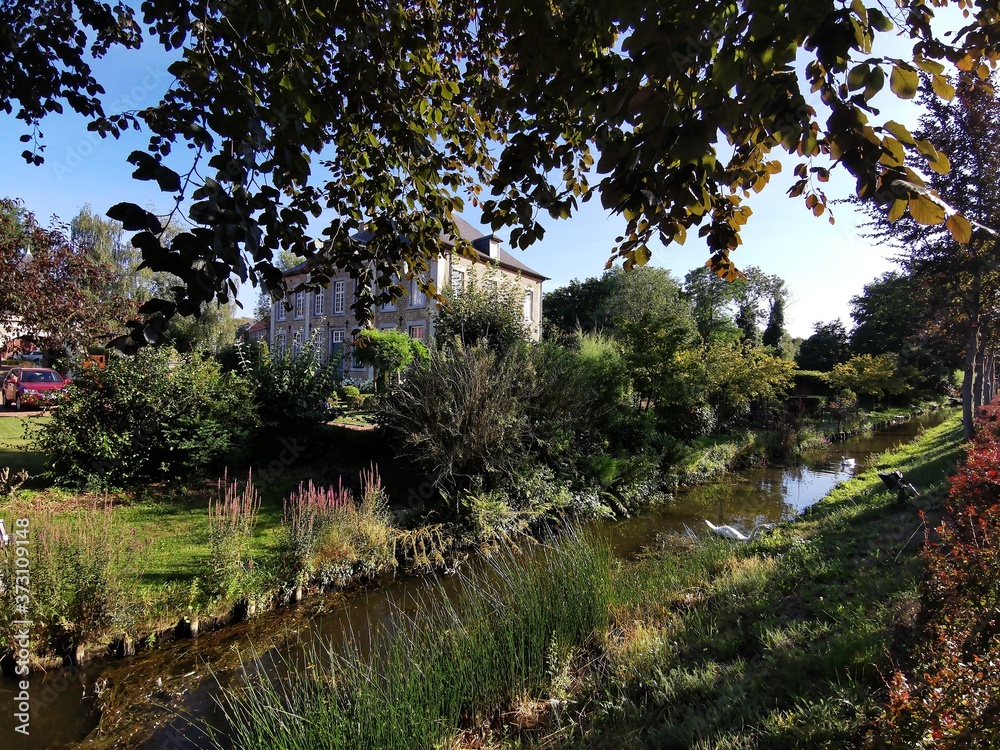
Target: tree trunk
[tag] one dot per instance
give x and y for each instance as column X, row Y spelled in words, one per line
column 978, row 387
column 971, row 347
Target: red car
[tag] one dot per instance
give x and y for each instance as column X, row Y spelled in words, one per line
column 30, row 386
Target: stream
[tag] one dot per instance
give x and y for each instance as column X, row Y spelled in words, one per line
column 151, row 698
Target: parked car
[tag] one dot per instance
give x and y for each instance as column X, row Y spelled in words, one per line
column 30, row 386
column 34, row 357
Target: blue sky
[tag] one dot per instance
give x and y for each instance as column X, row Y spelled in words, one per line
column 823, row 265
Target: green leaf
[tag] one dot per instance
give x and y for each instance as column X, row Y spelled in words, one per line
column 943, row 88
column 857, row 78
column 899, row 131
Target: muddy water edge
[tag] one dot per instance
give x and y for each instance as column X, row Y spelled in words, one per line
column 157, row 699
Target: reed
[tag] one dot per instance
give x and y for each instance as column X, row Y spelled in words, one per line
column 422, row 677
column 331, row 536
column 232, row 519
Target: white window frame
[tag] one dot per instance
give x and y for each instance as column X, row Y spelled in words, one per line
column 339, row 296
column 296, row 343
column 279, row 343
column 529, row 305
column 423, row 331
column 460, row 275
column 281, row 313
column 319, row 301
column 417, row 296
column 300, row 305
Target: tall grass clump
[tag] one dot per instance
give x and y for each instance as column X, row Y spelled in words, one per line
column 82, row 582
column 232, row 519
column 330, row 536
column 424, row 676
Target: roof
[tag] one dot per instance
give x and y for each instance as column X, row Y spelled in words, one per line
column 260, row 325
column 467, row 232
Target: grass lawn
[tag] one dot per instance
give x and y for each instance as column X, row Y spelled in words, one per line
column 14, row 450
column 169, row 521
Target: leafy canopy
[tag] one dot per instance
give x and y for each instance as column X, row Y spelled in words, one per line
column 394, row 116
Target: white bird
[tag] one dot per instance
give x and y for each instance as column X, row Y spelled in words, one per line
column 729, row 532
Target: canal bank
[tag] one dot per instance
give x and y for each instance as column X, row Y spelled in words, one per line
column 175, row 678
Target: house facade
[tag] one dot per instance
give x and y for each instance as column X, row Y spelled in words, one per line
column 326, row 314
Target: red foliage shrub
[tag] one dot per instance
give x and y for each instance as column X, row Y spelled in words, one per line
column 952, row 697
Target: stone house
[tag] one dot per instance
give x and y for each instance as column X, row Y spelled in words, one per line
column 327, row 312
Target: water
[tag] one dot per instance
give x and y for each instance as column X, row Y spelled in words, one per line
column 148, row 696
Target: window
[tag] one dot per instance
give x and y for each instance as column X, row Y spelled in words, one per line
column 338, row 297
column 417, row 297
column 529, row 306
column 300, row 304
column 296, row 342
column 417, row 331
column 319, row 299
column 356, row 363
column 336, row 343
column 390, row 305
column 279, row 343
column 280, row 312
column 457, row 280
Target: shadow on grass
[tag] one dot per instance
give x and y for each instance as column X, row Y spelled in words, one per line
column 777, row 644
column 15, row 448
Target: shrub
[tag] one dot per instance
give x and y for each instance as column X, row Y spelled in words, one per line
column 291, row 392
column 154, row 415
column 950, row 698
column 329, row 537
column 82, row 585
column 460, row 417
column 488, row 312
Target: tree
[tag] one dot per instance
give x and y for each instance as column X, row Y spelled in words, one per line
column 876, row 376
column 827, row 347
column 105, row 240
column 411, row 110
column 211, row 332
column 775, row 330
column 712, row 298
column 580, row 305
column 893, row 315
column 956, row 269
column 52, row 290
column 741, row 378
column 389, row 352
column 489, row 311
column 652, row 321
column 887, row 314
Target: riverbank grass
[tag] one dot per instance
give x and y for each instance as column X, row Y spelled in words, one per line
column 777, row 644
column 439, row 665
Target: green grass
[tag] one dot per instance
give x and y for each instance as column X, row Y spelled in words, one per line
column 438, row 666
column 14, row 446
column 777, row 644
column 774, row 645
